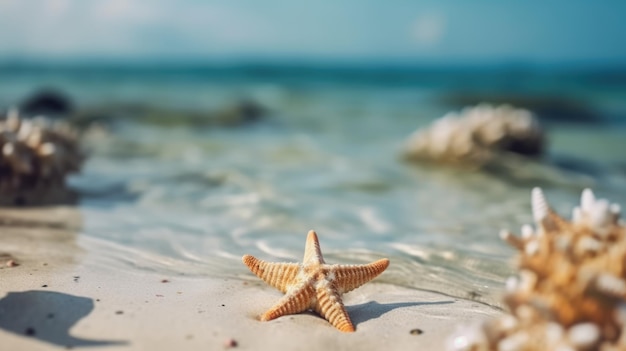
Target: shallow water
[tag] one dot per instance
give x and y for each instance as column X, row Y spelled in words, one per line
column 189, row 199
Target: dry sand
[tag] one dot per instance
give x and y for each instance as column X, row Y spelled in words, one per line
column 63, row 294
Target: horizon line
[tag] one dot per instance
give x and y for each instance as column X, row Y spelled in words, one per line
column 308, row 64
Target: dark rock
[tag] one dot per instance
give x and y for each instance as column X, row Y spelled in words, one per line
column 242, row 113
column 547, row 107
column 47, row 102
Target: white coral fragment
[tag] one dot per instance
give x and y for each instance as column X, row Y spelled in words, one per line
column 611, row 285
column 540, row 206
column 35, row 156
column 583, row 336
column 587, row 199
column 477, row 136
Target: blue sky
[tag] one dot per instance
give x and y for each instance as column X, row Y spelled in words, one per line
column 445, row 31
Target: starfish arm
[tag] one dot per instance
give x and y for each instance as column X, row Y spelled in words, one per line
column 278, row 275
column 296, row 301
column 312, row 251
column 350, row 277
column 330, row 306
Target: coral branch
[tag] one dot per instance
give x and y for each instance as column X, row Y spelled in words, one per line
column 570, row 293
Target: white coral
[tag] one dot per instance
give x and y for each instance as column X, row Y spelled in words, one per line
column 476, row 135
column 36, row 151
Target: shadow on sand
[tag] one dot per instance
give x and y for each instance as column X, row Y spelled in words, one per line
column 372, row 309
column 47, row 316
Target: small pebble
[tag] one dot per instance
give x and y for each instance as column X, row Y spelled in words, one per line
column 44, row 286
column 228, row 343
column 12, row 263
column 165, row 281
column 119, row 312
column 416, row 331
column 473, row 295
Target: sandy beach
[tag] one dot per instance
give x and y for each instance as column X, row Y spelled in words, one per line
column 66, row 293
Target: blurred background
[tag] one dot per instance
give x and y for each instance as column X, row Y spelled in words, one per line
column 213, row 129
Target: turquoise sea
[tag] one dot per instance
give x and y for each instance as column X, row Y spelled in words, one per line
column 166, row 189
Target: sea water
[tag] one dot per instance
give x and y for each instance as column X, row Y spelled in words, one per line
column 183, row 198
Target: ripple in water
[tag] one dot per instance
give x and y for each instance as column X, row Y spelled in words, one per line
column 193, row 201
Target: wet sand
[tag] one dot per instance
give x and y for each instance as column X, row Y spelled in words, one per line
column 64, row 293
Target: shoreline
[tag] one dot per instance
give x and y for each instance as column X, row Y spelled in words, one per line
column 64, row 296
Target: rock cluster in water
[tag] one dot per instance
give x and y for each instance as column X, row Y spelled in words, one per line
column 477, row 136
column 570, row 293
column 36, row 155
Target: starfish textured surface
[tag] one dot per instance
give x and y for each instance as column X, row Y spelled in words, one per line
column 313, row 284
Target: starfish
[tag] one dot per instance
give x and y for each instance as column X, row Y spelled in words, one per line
column 313, row 284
